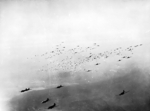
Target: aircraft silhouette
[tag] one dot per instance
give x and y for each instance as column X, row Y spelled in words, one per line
column 59, row 86
column 97, row 64
column 27, row 89
column 50, row 107
column 123, row 92
column 45, row 100
column 88, row 70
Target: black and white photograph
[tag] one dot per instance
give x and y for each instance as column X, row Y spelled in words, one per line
column 74, row 55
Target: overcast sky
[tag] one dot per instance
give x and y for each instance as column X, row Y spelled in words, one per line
column 34, row 27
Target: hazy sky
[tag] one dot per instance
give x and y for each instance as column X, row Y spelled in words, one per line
column 29, row 27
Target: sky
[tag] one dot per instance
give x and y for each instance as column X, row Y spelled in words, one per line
column 34, row 27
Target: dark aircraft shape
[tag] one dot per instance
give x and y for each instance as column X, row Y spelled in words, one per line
column 27, row 89
column 59, row 86
column 123, row 92
column 97, row 64
column 88, row 70
column 51, row 107
column 45, row 100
